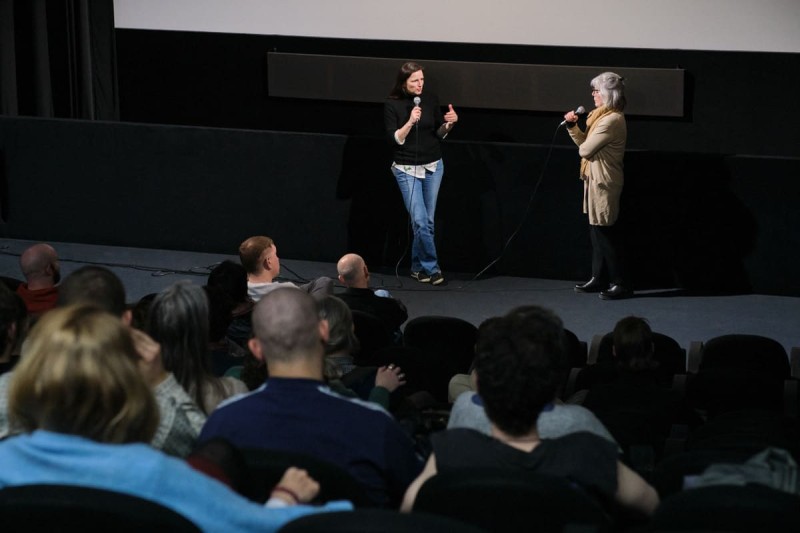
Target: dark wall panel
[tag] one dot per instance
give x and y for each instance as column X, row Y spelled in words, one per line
column 705, row 222
column 516, row 87
column 172, row 187
column 222, row 80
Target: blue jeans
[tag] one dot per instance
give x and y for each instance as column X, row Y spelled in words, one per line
column 420, row 195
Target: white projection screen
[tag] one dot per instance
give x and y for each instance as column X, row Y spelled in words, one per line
column 724, row 25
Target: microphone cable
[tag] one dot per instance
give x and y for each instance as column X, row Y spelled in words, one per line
column 524, row 215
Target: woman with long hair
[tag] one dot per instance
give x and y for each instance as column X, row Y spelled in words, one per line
column 178, row 320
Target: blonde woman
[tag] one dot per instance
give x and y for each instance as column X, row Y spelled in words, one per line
column 87, row 415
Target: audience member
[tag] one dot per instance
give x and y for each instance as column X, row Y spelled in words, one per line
column 353, row 273
column 180, row 418
column 39, row 265
column 13, row 327
column 259, row 256
column 378, row 382
column 519, row 369
column 224, row 352
column 634, row 406
column 295, row 410
column 96, row 438
column 178, row 320
column 231, row 277
column 555, row 420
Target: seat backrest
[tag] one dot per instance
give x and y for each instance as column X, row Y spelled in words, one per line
column 372, row 335
column 377, row 521
column 666, row 350
column 266, row 467
column 728, row 508
column 748, row 430
column 747, row 352
column 422, row 369
column 576, row 350
column 73, row 508
column 510, row 500
column 669, row 474
column 450, row 340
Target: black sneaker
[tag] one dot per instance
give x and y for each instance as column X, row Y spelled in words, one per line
column 422, row 277
column 437, row 278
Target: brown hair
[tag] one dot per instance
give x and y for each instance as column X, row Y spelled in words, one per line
column 405, row 72
column 250, row 252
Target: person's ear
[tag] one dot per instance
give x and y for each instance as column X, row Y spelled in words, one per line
column 127, row 317
column 324, row 331
column 256, row 349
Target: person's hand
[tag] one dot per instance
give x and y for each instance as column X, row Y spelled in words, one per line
column 451, row 117
column 296, row 486
column 390, row 377
column 571, row 116
column 416, row 113
column 150, row 364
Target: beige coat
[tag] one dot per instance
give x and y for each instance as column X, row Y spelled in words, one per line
column 604, row 148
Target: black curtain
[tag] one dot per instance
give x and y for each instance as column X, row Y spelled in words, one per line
column 58, row 59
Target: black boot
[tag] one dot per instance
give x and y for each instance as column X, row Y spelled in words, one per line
column 616, row 292
column 593, row 285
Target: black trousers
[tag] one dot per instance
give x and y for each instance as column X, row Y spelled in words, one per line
column 608, row 254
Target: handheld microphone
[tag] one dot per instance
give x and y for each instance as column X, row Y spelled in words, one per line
column 417, row 101
column 579, row 111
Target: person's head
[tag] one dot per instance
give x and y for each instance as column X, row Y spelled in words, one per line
column 39, row 264
column 287, row 328
column 178, row 320
column 96, row 286
column 220, row 308
column 231, row 277
column 409, row 82
column 79, row 376
column 633, row 344
column 258, row 255
column 353, row 271
column 13, row 320
column 519, row 366
column 140, row 311
column 609, row 89
column 341, row 335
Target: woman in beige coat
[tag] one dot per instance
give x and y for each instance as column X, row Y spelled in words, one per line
column 602, row 148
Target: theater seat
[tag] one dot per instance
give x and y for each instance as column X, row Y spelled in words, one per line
column 510, row 501
column 67, row 508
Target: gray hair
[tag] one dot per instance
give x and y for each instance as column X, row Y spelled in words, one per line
column 341, row 336
column 612, row 89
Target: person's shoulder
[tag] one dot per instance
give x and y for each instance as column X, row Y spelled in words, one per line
column 580, row 440
column 392, row 102
column 615, row 117
column 461, row 435
column 468, row 399
column 576, row 412
column 355, row 405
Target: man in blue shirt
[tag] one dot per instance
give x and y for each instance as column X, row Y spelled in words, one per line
column 295, row 410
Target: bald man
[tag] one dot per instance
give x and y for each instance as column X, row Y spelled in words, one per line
column 296, row 411
column 358, row 296
column 39, row 265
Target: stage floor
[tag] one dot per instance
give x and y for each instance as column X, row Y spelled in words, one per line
column 684, row 317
